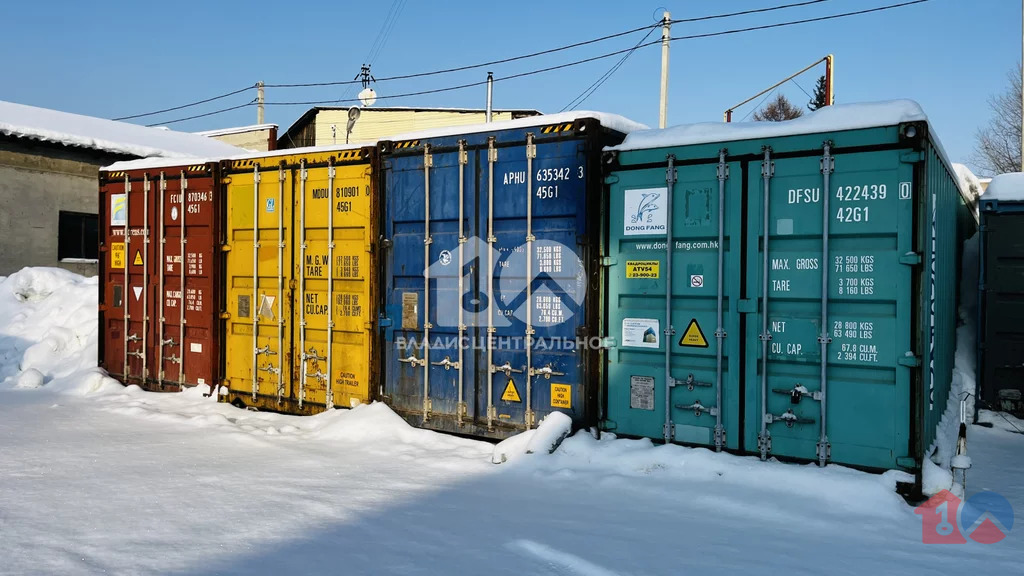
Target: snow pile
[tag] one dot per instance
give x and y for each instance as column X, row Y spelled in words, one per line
column 48, row 330
column 970, row 186
column 544, row 439
column 937, row 471
column 106, row 135
column 1006, row 187
column 827, row 119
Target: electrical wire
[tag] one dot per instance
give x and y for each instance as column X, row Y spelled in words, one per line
column 550, row 50
column 221, row 111
column 239, row 91
column 759, row 104
column 589, row 91
column 745, row 12
column 618, row 52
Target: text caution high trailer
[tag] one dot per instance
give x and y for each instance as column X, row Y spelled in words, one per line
column 159, row 273
column 491, row 288
column 301, row 275
column 786, row 289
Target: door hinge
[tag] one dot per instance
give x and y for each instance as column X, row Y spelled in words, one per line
column 911, row 259
column 912, row 157
column 384, row 321
column 909, row 360
column 608, row 261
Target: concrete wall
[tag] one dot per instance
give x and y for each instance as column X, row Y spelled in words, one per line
column 36, row 183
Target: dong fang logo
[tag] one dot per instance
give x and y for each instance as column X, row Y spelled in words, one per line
column 644, row 212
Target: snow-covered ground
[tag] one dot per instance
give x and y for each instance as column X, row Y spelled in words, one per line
column 97, row 478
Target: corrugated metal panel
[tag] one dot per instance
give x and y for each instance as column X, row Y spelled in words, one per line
column 1001, row 306
column 882, row 199
column 378, row 125
column 165, row 274
column 300, row 293
column 493, row 237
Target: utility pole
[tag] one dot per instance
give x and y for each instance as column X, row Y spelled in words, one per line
column 490, row 94
column 259, row 102
column 666, row 26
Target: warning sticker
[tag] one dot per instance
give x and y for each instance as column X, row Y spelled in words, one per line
column 117, row 255
column 561, row 396
column 694, row 336
column 510, row 394
column 641, row 392
column 138, row 258
column 642, row 268
column 640, row 332
column 696, row 280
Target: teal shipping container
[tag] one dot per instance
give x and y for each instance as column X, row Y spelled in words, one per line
column 784, row 289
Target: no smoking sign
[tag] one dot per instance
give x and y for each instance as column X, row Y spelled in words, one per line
column 697, row 281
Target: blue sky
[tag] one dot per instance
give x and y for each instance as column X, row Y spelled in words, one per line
column 117, row 58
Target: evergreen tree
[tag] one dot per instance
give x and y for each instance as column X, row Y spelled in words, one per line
column 820, row 99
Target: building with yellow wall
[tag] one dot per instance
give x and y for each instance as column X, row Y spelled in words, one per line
column 327, row 126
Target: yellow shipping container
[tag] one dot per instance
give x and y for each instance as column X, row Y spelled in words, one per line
column 299, row 318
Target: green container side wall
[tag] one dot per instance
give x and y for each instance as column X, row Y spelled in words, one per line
column 932, row 176
column 948, row 233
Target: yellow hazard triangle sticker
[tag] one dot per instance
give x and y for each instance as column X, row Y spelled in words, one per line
column 510, row 394
column 694, row 336
column 138, row 258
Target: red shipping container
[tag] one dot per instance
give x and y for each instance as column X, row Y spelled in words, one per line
column 159, row 273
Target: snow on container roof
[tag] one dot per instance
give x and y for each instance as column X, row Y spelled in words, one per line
column 1006, row 187
column 149, row 163
column 94, row 133
column 611, row 121
column 827, row 119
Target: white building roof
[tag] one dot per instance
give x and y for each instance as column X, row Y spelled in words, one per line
column 105, row 135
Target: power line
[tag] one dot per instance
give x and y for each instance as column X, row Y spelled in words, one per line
column 189, row 105
column 618, row 52
column 746, row 12
column 551, row 50
column 589, row 91
column 250, row 103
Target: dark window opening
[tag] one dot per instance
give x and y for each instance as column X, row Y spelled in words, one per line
column 77, row 236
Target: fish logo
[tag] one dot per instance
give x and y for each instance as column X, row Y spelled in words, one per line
column 647, row 205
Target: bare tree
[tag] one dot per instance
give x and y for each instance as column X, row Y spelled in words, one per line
column 778, row 110
column 998, row 144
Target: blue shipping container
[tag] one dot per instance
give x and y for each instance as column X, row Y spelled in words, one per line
column 492, row 237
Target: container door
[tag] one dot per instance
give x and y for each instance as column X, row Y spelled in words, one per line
column 185, row 343
column 333, row 207
column 538, row 217
column 123, row 327
column 705, row 262
column 259, row 300
column 827, row 373
column 132, row 214
column 430, row 292
column 1003, row 334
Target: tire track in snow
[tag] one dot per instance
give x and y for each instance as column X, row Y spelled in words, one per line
column 564, row 562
